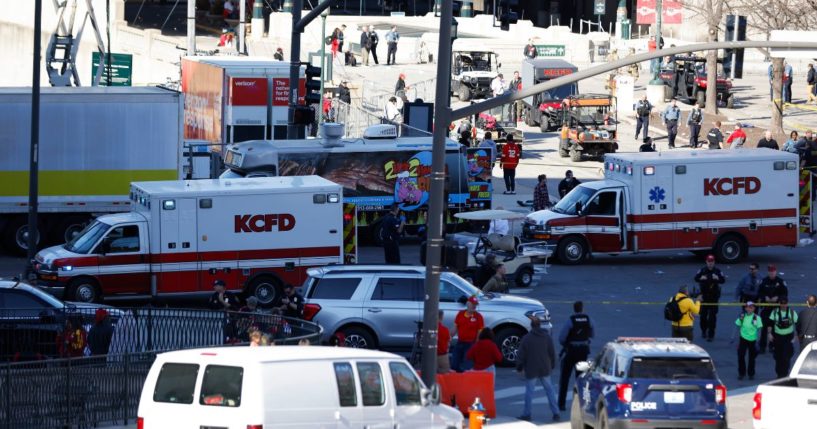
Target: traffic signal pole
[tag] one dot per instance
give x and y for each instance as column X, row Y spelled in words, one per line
column 436, row 204
column 298, row 26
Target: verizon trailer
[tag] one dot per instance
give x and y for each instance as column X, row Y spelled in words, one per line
column 716, row 201
column 93, row 143
column 255, row 234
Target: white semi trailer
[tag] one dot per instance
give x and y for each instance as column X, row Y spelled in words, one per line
column 94, row 142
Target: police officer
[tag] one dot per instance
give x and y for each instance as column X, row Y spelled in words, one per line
column 671, row 115
column 642, row 110
column 715, row 136
column 220, row 299
column 694, row 121
column 392, row 228
column 772, row 290
column 292, row 303
column 575, row 340
column 781, row 333
column 709, row 279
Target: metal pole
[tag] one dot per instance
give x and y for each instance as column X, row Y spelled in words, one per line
column 242, row 42
column 323, row 63
column 294, row 67
column 34, row 163
column 436, row 206
column 659, row 12
column 191, row 28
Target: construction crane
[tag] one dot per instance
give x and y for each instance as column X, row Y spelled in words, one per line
column 61, row 55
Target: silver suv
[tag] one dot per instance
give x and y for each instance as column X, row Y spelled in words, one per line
column 378, row 306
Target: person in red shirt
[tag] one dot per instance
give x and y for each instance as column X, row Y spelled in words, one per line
column 511, row 152
column 485, row 353
column 737, row 139
column 467, row 325
column 443, row 340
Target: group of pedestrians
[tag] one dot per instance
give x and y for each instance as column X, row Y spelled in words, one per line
column 765, row 321
column 369, row 40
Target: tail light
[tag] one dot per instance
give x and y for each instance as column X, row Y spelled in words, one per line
column 700, row 82
column 347, row 217
column 310, row 311
column 756, row 406
column 255, row 426
column 140, row 423
column 720, row 394
column 624, row 392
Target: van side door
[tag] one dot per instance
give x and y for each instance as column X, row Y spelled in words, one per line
column 378, row 406
column 604, row 220
column 177, row 255
column 122, row 257
column 408, row 404
column 654, row 226
column 393, row 308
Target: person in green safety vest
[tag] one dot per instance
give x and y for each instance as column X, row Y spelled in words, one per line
column 749, row 324
column 781, row 332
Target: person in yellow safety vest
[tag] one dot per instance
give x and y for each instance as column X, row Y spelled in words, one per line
column 689, row 308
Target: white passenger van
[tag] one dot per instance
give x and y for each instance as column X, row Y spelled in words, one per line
column 288, row 387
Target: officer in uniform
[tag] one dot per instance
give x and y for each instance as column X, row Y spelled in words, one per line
column 772, row 290
column 642, row 109
column 715, row 136
column 575, row 340
column 781, row 333
column 671, row 115
column 709, row 279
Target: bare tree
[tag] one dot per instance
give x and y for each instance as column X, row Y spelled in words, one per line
column 763, row 16
column 711, row 12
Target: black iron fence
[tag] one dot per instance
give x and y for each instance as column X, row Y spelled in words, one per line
column 27, row 334
column 52, row 380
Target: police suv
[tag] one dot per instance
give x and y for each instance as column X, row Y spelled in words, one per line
column 647, row 383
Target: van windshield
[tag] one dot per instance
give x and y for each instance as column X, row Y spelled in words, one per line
column 567, row 205
column 85, row 240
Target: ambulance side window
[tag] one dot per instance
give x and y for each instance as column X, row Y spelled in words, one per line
column 122, row 239
column 604, row 204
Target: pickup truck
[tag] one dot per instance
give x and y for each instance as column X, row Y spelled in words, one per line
column 789, row 402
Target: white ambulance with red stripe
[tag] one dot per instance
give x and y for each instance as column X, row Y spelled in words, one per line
column 255, row 234
column 716, row 201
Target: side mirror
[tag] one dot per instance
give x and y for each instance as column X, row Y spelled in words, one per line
column 579, row 208
column 583, row 366
column 430, row 397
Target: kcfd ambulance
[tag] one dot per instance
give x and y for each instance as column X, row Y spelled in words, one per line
column 254, row 234
column 716, row 201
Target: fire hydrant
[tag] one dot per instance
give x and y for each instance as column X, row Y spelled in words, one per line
column 476, row 415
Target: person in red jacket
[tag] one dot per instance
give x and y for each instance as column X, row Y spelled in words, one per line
column 737, row 139
column 511, row 152
column 443, row 340
column 484, row 352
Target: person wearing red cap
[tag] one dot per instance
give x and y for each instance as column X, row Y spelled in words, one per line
column 772, row 290
column 100, row 335
column 709, row 279
column 467, row 325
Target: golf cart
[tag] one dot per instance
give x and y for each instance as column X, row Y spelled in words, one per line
column 685, row 80
column 588, row 126
column 472, row 70
column 521, row 261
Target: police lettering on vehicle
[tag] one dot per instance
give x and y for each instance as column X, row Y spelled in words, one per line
column 642, row 406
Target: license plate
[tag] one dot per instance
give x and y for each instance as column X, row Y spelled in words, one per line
column 673, row 397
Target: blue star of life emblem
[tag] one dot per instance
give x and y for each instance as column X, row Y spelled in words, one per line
column 657, row 194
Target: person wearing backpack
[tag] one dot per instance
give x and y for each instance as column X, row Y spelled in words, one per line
column 681, row 311
column 709, row 278
column 749, row 324
column 781, row 333
column 642, row 110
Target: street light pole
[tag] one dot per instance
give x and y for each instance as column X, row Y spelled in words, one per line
column 34, row 163
column 436, row 206
column 324, row 14
column 659, row 14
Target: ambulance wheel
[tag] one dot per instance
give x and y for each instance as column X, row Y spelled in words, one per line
column 700, row 97
column 730, row 101
column 575, row 156
column 524, row 277
column 464, row 93
column 572, row 250
column 265, row 289
column 730, row 249
column 83, row 289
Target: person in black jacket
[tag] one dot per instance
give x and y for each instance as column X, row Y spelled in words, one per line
column 341, row 37
column 374, row 40
column 344, row 93
column 709, row 280
column 365, row 45
column 768, row 142
column 100, row 335
column 772, row 289
column 567, row 184
column 575, row 340
column 536, row 359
